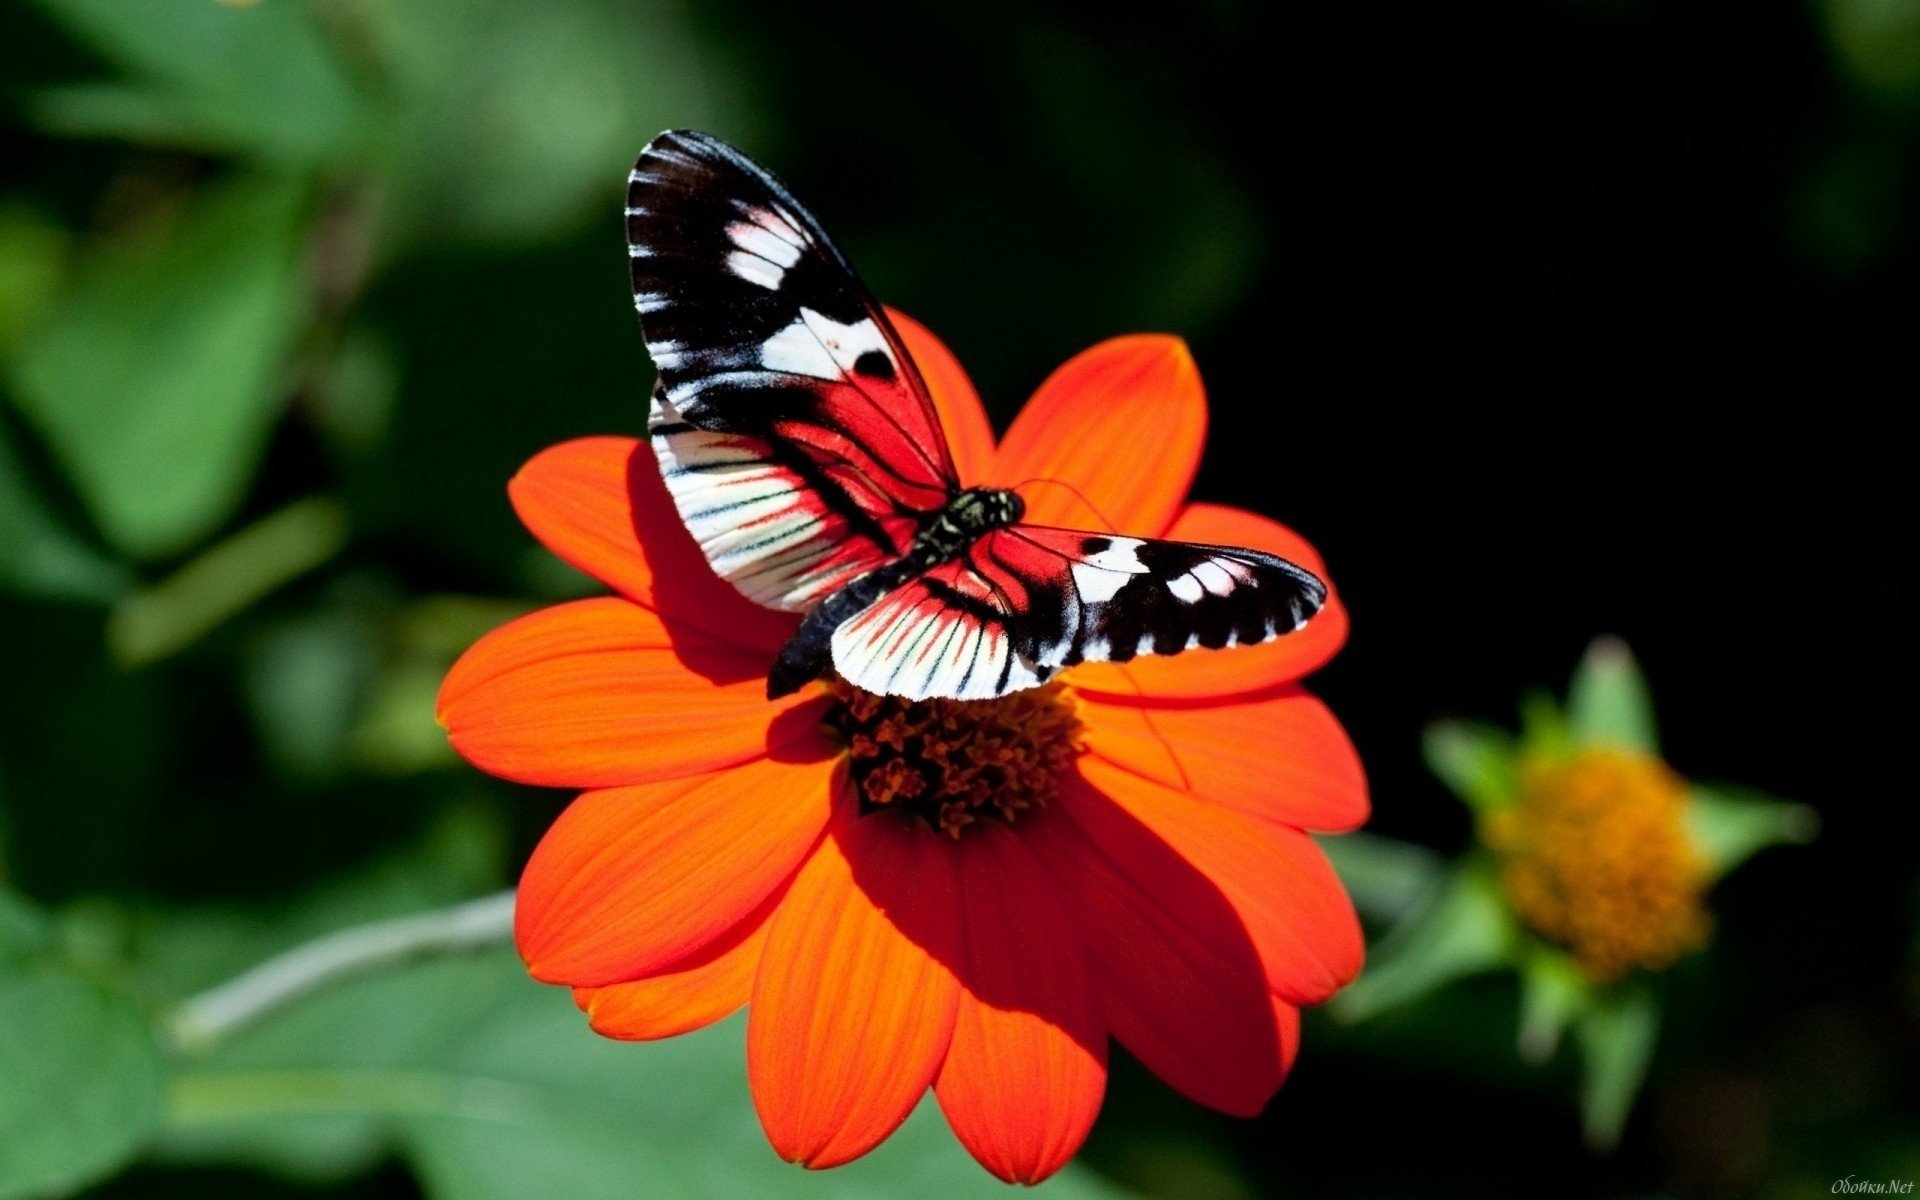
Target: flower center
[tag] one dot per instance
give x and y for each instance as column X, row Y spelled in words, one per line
column 1595, row 855
column 952, row 762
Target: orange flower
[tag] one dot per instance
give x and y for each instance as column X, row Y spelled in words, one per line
column 972, row 897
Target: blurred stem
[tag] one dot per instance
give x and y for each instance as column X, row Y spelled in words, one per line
column 203, row 1021
column 222, row 581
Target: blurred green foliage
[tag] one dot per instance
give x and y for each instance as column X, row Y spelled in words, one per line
column 1461, row 923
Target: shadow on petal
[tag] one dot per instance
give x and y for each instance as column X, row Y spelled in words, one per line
column 1173, row 971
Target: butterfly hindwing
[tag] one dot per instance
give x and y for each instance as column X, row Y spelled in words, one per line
column 780, row 378
column 946, row 632
column 1025, row 601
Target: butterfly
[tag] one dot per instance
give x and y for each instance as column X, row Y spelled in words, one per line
column 803, row 451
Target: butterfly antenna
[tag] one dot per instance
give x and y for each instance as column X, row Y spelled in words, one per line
column 1078, row 495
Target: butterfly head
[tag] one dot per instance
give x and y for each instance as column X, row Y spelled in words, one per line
column 980, row 509
column 968, row 515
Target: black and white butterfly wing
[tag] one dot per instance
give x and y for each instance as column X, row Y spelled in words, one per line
column 1025, row 601
column 796, row 436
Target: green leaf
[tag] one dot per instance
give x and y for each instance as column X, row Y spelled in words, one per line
column 1475, row 762
column 23, row 932
column 226, row 579
column 262, row 80
column 33, row 258
column 517, row 109
column 1609, row 703
column 1878, row 43
column 1616, row 1036
column 1553, row 993
column 397, row 733
column 1463, row 929
column 156, row 378
column 39, row 555
column 306, row 677
column 80, row 1083
column 1731, row 824
column 1386, row 877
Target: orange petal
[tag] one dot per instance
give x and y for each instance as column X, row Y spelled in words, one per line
column 962, row 417
column 1239, row 668
column 1123, row 424
column 854, row 1003
column 603, row 693
column 599, row 504
column 1279, row 884
column 1180, row 979
column 1278, row 755
column 690, row 995
column 1028, row 1066
column 630, row 881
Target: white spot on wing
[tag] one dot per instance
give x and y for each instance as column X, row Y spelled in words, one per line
column 754, row 269
column 766, row 246
column 1186, row 589
column 1099, row 576
column 819, row 346
column 758, row 239
column 1213, row 577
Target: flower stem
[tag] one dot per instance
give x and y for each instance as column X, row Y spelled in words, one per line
column 203, row 1021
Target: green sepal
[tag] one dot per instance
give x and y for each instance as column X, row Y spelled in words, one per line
column 1553, row 994
column 1731, row 824
column 1474, row 760
column 1609, row 703
column 1385, row 877
column 1544, row 732
column 1616, row 1035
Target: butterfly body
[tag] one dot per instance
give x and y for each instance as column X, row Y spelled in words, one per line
column 809, row 651
column 804, row 453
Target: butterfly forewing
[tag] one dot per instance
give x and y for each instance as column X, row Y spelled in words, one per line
column 1025, row 601
column 764, row 335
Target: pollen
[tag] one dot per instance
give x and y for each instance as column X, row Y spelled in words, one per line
column 1595, row 855
column 954, row 763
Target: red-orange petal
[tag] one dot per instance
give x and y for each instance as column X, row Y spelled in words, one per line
column 630, row 881
column 1282, row 889
column 604, row 693
column 690, row 995
column 1121, row 424
column 599, row 504
column 1277, row 755
column 1027, row 1069
column 962, row 417
column 1180, row 979
column 854, row 1004
column 1238, row 668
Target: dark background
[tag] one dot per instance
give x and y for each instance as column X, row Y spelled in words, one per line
column 1541, row 320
